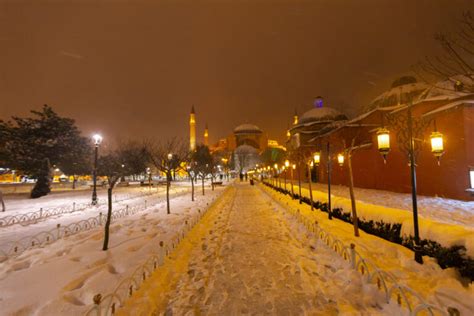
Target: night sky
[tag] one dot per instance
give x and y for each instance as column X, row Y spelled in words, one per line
column 132, row 69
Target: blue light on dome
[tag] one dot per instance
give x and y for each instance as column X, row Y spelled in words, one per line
column 318, row 102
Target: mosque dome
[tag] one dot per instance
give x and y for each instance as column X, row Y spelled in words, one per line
column 247, row 129
column 321, row 114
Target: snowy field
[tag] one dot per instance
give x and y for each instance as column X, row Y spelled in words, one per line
column 433, row 224
column 435, row 208
column 438, row 286
column 249, row 257
column 61, row 278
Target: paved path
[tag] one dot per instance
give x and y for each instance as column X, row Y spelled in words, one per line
column 254, row 259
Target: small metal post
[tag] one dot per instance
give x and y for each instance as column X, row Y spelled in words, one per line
column 58, row 226
column 100, row 218
column 41, row 212
column 73, row 206
column 353, row 256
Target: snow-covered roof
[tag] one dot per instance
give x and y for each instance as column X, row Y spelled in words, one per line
column 321, row 114
column 397, row 95
column 449, row 106
column 247, row 128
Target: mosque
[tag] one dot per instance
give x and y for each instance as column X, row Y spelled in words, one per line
column 442, row 116
column 246, row 140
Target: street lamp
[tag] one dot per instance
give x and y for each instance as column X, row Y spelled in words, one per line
column 340, row 159
column 437, row 145
column 317, row 158
column 97, row 140
column 407, row 141
column 310, row 165
column 383, row 142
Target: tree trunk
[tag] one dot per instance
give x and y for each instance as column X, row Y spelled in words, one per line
column 202, row 185
column 109, row 218
column 351, row 191
column 74, row 182
column 309, row 186
column 192, row 189
column 2, row 202
column 168, row 183
column 212, row 182
column 299, row 181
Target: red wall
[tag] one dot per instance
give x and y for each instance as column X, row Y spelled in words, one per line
column 449, row 179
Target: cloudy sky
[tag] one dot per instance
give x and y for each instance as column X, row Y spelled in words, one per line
column 133, row 69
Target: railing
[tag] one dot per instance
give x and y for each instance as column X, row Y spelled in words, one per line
column 385, row 282
column 108, row 304
column 43, row 238
column 33, row 217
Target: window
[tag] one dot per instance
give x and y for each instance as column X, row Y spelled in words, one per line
column 471, row 177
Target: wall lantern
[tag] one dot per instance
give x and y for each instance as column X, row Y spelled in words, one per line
column 287, row 163
column 340, row 159
column 437, row 145
column 383, row 142
column 317, row 158
column 294, row 166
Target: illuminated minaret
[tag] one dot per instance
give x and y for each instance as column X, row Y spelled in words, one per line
column 206, row 136
column 192, row 130
column 295, row 118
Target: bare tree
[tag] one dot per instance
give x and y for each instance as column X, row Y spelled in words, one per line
column 457, row 57
column 168, row 157
column 203, row 163
column 128, row 159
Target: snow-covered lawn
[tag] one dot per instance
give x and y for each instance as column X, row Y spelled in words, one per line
column 248, row 256
column 447, row 233
column 61, row 278
column 438, row 286
column 435, row 208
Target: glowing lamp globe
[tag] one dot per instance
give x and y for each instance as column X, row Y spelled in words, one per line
column 287, row 163
column 383, row 142
column 97, row 139
column 340, row 159
column 294, row 166
column 317, row 158
column 437, row 145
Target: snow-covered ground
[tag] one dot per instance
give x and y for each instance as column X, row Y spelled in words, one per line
column 435, row 208
column 438, row 286
column 389, row 207
column 61, row 278
column 248, row 256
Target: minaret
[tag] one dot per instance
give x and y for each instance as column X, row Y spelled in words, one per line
column 295, row 118
column 192, row 130
column 206, row 136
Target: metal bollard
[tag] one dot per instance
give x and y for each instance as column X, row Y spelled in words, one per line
column 353, row 256
column 73, row 206
column 58, row 226
column 100, row 218
column 41, row 212
column 145, row 203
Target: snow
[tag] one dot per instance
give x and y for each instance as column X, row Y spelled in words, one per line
column 319, row 114
column 449, row 222
column 439, row 287
column 247, row 128
column 62, row 277
column 248, row 256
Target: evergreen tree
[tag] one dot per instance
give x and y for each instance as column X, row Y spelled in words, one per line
column 43, row 182
column 25, row 143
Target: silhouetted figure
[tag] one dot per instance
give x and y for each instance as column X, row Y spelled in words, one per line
column 246, row 176
column 241, row 176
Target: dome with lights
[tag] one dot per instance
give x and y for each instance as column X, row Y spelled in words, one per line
column 247, row 129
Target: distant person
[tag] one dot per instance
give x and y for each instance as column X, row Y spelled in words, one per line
column 1, row 200
column 246, row 176
column 221, row 176
column 241, row 176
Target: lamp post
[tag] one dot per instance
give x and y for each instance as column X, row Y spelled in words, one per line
column 310, row 164
column 329, row 180
column 97, row 140
column 408, row 143
column 293, row 167
column 287, row 165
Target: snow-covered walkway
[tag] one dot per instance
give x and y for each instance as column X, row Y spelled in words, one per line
column 250, row 257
